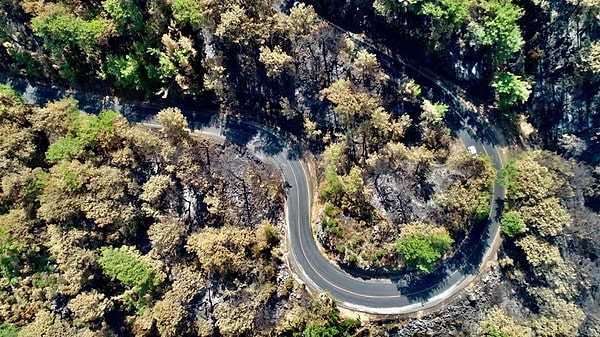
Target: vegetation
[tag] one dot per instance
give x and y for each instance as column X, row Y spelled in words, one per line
column 97, row 235
column 421, row 251
column 111, row 229
column 540, row 186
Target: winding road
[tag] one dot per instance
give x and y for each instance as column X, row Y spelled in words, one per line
column 388, row 295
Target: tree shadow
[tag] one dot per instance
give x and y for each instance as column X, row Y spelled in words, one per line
column 238, row 132
column 269, row 143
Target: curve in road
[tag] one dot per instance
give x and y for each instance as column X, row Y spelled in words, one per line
column 377, row 296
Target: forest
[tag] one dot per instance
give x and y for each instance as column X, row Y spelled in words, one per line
column 113, row 228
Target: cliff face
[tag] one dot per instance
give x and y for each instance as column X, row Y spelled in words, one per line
column 565, row 93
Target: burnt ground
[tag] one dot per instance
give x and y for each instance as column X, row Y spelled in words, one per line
column 399, row 196
column 249, row 189
column 458, row 317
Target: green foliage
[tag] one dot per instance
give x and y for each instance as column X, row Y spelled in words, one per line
column 378, row 255
column 441, row 109
column 449, row 13
column 492, row 23
column 482, row 211
column 512, row 224
column 510, row 89
column 348, row 192
column 7, row 330
column 352, row 258
column 271, row 235
column 84, row 132
column 127, row 70
column 498, row 28
column 127, row 268
column 43, row 280
column 60, row 27
column 7, row 90
column 510, row 177
column 30, row 65
column 422, row 250
column 356, row 240
column 334, row 327
column 187, row 11
column 126, row 14
column 333, row 226
column 10, row 253
column 492, row 332
column 64, row 148
column 329, row 210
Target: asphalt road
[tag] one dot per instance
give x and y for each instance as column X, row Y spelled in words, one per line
column 385, row 295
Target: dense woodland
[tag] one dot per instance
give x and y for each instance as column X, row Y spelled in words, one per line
column 112, row 229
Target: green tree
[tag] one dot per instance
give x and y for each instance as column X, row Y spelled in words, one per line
column 9, row 330
column 126, row 14
column 120, row 264
column 510, row 89
column 188, row 11
column 422, row 250
column 498, row 27
column 512, row 224
column 60, row 28
column 128, row 71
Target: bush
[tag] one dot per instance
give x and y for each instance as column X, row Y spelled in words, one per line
column 512, row 224
column 126, row 268
column 422, row 250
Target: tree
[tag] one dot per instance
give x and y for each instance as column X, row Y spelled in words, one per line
column 267, row 237
column 235, row 319
column 498, row 324
column 540, row 254
column 301, row 21
column 88, row 132
column 547, row 218
column 510, row 89
column 422, row 249
column 126, row 14
column 497, row 27
column 363, row 119
column 174, row 124
column 176, row 62
column 527, row 181
column 158, row 193
column 167, row 237
column 368, row 70
column 234, row 25
column 58, row 117
column 90, row 306
column 188, row 12
column 14, row 240
column 276, row 60
column 512, row 224
column 48, row 325
column 590, row 56
column 19, row 140
column 60, row 29
column 171, row 316
column 125, row 265
column 222, row 251
column 557, row 317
